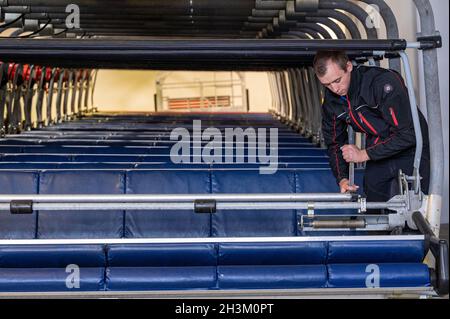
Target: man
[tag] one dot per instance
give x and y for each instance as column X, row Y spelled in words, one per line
column 375, row 102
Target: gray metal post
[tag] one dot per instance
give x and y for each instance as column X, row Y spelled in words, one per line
column 433, row 97
column 416, row 120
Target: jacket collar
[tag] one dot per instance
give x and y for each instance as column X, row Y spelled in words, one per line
column 355, row 84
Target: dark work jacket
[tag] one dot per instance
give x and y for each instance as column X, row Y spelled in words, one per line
column 378, row 106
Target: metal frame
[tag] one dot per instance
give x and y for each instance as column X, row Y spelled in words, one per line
column 324, row 293
column 188, row 202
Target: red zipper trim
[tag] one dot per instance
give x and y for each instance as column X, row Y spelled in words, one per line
column 351, row 114
column 377, row 140
column 367, row 123
column 394, row 117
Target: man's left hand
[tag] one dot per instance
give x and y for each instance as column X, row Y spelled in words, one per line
column 352, row 154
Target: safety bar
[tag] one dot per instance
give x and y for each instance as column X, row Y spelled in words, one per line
column 439, row 250
column 26, row 204
column 154, row 198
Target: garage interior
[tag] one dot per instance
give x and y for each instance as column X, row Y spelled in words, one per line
column 174, row 149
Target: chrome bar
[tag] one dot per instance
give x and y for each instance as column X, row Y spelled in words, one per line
column 100, row 206
column 174, row 198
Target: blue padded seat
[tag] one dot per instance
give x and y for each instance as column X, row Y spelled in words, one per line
column 280, row 166
column 107, row 158
column 272, row 277
column 49, row 279
column 35, row 158
column 167, row 223
column 89, row 224
column 390, row 275
column 308, row 253
column 323, row 181
column 160, row 278
column 18, row 141
column 161, row 255
column 400, row 251
column 169, row 165
column 28, row 166
column 292, row 151
column 80, row 149
column 253, row 223
column 51, row 256
column 97, row 166
column 304, row 159
column 18, row 226
column 4, row 149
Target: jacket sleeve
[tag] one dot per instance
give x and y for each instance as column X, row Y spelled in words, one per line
column 391, row 95
column 335, row 136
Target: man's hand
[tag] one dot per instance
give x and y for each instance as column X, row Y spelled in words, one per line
column 345, row 187
column 352, row 154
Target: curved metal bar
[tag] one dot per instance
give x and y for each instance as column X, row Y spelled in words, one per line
column 344, row 19
column 390, row 21
column 353, row 9
column 330, row 24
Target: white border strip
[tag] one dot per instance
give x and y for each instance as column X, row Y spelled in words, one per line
column 205, row 240
column 333, row 293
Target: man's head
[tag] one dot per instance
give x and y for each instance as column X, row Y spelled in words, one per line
column 333, row 69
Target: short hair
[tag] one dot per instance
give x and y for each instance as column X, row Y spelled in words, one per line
column 322, row 57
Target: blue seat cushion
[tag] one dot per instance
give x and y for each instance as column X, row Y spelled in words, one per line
column 76, row 224
column 36, row 158
column 253, row 223
column 18, row 226
column 400, row 251
column 272, row 277
column 162, row 255
column 310, row 253
column 160, row 278
column 390, row 275
column 50, row 279
column 51, row 256
column 167, row 223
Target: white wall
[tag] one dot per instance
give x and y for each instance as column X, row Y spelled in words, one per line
column 133, row 91
column 125, row 91
column 440, row 8
column 259, row 91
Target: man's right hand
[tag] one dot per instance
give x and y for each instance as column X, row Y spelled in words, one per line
column 346, row 188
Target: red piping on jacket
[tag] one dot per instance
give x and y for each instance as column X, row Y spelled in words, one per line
column 351, row 114
column 367, row 123
column 394, row 117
